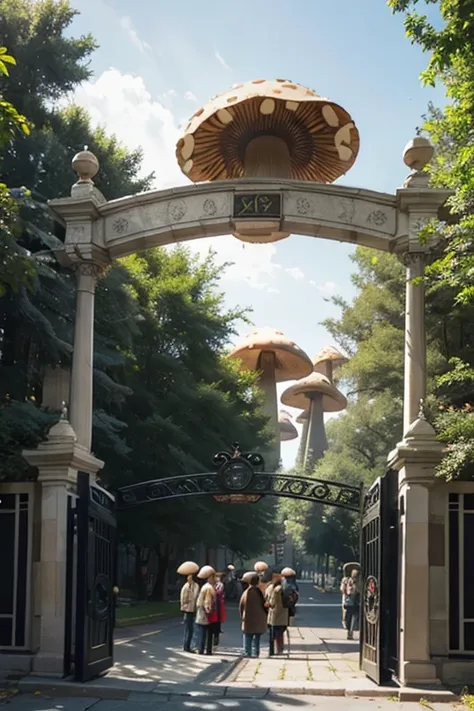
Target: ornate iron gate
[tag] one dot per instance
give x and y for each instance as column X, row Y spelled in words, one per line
column 96, row 557
column 379, row 558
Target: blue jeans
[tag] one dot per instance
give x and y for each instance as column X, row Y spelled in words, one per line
column 188, row 630
column 252, row 644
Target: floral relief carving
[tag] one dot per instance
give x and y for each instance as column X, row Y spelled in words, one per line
column 302, row 206
column 177, row 210
column 377, row 218
column 209, row 207
column 120, row 225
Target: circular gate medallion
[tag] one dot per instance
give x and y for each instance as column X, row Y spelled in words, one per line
column 371, row 600
column 101, row 597
column 235, row 475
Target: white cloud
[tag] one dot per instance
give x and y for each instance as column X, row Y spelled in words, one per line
column 221, row 59
column 189, row 96
column 129, row 28
column 326, row 289
column 123, row 105
column 295, row 272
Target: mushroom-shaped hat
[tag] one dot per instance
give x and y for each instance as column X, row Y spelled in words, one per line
column 247, row 577
column 297, row 395
column 331, row 354
column 287, row 429
column 303, row 417
column 188, row 568
column 321, row 139
column 231, row 567
column 291, row 363
column 260, row 566
column 206, row 572
column 288, row 572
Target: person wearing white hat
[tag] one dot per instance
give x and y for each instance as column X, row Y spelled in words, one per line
column 188, row 601
column 205, row 605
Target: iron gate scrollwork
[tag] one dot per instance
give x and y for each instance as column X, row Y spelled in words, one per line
column 379, row 594
column 96, row 557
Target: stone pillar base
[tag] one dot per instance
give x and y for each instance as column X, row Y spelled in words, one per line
column 48, row 664
column 418, row 673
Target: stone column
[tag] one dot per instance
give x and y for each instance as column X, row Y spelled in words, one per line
column 267, row 384
column 415, row 458
column 81, row 403
column 58, row 460
column 316, row 442
column 415, row 340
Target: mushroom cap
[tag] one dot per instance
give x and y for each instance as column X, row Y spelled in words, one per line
column 260, row 566
column 206, row 572
column 329, row 353
column 288, row 572
column 247, row 577
column 188, row 568
column 287, row 429
column 321, row 136
column 291, row 363
column 303, row 417
column 297, row 395
column 231, row 567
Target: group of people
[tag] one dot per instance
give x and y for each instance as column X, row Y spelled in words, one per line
column 263, row 606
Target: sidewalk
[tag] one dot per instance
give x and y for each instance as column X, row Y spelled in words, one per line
column 322, row 663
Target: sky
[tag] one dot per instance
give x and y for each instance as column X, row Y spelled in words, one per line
column 158, row 62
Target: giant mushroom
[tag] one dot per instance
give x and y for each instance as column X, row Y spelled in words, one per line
column 268, row 129
column 318, row 393
column 328, row 360
column 287, row 429
column 277, row 359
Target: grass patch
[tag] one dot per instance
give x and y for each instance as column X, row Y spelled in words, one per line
column 468, row 701
column 146, row 613
column 282, row 674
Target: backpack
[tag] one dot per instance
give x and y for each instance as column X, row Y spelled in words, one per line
column 289, row 596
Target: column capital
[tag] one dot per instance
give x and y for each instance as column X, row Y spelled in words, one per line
column 59, row 458
column 418, row 453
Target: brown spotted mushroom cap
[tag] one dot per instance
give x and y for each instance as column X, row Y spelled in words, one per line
column 332, row 354
column 291, row 363
column 298, row 395
column 287, row 429
column 322, row 138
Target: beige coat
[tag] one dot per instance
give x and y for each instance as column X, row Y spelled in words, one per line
column 277, row 614
column 188, row 597
column 205, row 603
column 253, row 612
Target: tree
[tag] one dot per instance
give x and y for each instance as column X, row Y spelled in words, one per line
column 451, row 61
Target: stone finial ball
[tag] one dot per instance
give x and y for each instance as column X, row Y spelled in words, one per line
column 418, row 153
column 86, row 165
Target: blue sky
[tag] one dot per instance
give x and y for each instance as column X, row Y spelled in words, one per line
column 159, row 61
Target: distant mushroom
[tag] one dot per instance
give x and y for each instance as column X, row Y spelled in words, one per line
column 317, row 392
column 328, row 360
column 287, row 429
column 277, row 359
column 268, row 129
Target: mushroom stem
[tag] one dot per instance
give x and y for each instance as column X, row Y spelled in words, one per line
column 302, row 448
column 267, row 157
column 316, row 443
column 267, row 383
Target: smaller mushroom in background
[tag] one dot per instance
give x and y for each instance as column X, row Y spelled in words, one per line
column 302, row 419
column 328, row 360
column 317, row 392
column 277, row 359
column 287, row 429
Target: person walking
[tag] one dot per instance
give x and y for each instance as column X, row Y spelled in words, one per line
column 350, row 602
column 278, row 615
column 188, row 601
column 205, row 605
column 253, row 614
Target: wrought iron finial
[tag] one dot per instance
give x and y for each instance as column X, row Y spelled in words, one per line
column 64, row 411
column 421, row 410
